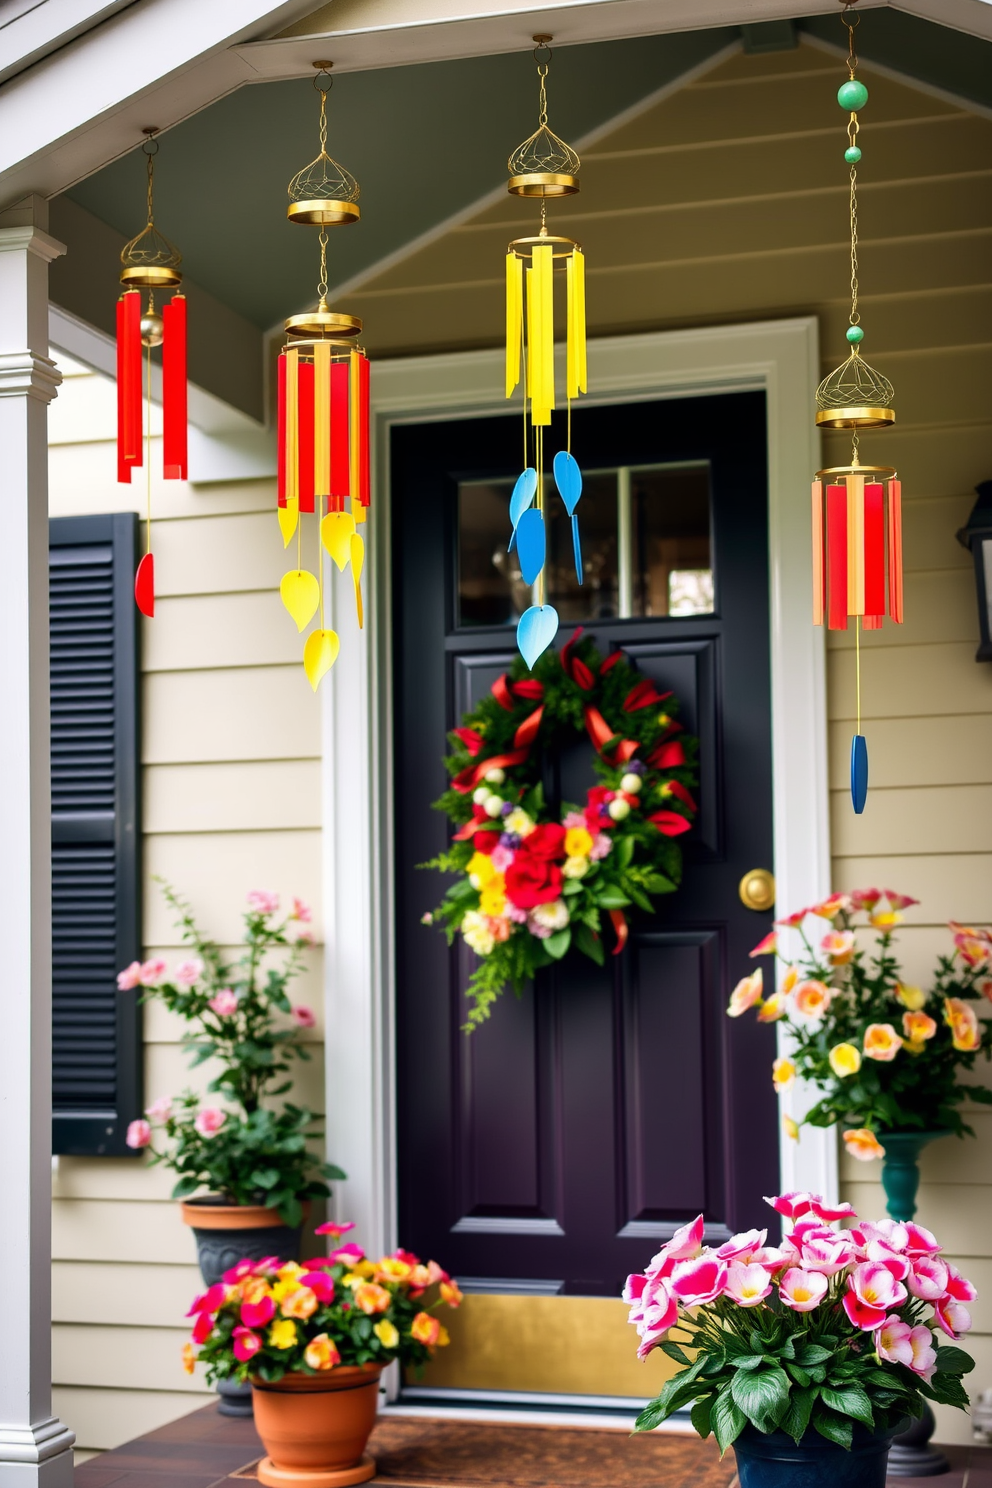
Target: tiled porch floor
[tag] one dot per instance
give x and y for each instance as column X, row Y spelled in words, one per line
column 206, row 1450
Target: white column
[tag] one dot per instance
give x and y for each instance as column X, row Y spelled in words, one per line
column 35, row 1448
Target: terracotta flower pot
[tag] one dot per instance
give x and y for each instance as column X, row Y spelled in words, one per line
column 314, row 1427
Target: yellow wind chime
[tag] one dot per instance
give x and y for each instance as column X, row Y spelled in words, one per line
column 543, row 167
column 857, row 509
column 323, row 415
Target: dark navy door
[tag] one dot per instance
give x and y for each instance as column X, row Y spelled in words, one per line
column 555, row 1147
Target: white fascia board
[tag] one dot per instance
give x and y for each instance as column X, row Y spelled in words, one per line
column 369, row 34
column 224, row 443
column 154, row 63
column 30, row 29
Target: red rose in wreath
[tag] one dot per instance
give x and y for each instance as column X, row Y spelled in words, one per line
column 532, row 880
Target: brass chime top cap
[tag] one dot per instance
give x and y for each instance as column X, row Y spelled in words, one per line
column 150, row 261
column 323, row 322
column 543, row 184
column 855, row 396
column 323, row 212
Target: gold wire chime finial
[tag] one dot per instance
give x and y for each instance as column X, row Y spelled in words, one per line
column 323, row 415
column 543, row 167
column 857, row 517
column 149, row 261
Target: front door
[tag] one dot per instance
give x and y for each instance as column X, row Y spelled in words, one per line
column 553, row 1149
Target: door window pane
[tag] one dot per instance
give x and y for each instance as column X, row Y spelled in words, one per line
column 670, row 531
column 646, row 544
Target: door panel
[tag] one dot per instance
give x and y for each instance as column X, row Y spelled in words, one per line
column 558, row 1144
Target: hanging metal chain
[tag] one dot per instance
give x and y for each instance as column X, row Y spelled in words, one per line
column 150, row 148
column 542, row 56
column 322, row 283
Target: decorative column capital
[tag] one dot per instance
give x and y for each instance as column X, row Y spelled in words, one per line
column 24, row 375
column 32, row 240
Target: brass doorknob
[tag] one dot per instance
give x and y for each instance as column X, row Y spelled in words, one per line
column 757, row 889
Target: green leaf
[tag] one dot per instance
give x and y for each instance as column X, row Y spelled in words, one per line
column 623, row 852
column 762, row 1394
column 612, row 899
column 809, row 1354
column 589, row 944
column 674, row 1351
column 572, row 886
column 850, row 1401
column 556, row 945
column 727, row 1419
column 954, row 1361
column 752, row 1361
column 701, row 1414
column 796, row 1419
column 835, row 1428
column 794, row 1372
column 947, row 1389
column 185, row 1187
column 652, row 1415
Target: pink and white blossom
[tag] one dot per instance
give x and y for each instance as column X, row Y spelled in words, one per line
column 188, row 972
column 301, row 911
column 924, row 1360
column 129, row 978
column 698, row 1281
column 153, row 972
column 139, row 1134
column 260, row 901
column 826, row 1256
column 952, row 1316
column 304, row 1017
column 684, row 1244
column 742, row 1245
column 893, row 1342
column 602, row 846
column 802, row 1290
column 898, row 1265
column 860, row 1314
column 958, row 1286
column 747, row 1285
column 501, row 857
column 161, row 1109
column 874, row 1286
column 210, row 1120
column 930, row 1278
column 792, row 1205
column 920, row 1241
column 224, row 1003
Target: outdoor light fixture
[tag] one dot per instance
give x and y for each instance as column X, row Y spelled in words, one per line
column 857, row 520
column 543, row 167
column 976, row 534
column 149, row 261
column 323, row 417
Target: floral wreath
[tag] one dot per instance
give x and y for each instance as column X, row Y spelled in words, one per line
column 530, row 888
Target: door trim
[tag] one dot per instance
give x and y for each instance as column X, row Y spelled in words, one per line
column 780, row 357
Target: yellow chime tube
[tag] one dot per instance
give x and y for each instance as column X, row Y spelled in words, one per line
column 530, row 305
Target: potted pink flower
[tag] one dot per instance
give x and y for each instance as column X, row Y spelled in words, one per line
column 810, row 1356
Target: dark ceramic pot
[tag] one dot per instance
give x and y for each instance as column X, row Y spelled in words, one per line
column 226, row 1234
column 776, row 1461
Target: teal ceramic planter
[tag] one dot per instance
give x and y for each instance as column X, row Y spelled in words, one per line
column 900, row 1170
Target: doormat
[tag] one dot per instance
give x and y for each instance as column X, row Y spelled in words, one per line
column 464, row 1454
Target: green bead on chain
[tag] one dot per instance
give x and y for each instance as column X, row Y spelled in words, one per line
column 852, row 95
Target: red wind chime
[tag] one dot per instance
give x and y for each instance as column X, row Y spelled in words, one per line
column 323, row 416
column 857, row 508
column 150, row 262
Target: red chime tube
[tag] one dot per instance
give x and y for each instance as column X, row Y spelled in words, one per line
column 281, row 428
column 305, row 438
column 128, row 384
column 339, row 435
column 874, row 556
column 174, row 441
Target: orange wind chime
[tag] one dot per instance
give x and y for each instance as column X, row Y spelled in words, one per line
column 857, row 509
column 150, row 262
column 323, row 416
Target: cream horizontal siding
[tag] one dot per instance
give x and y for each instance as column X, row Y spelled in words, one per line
column 231, row 795
column 728, row 202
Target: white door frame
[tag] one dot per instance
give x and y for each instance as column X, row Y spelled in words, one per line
column 779, row 357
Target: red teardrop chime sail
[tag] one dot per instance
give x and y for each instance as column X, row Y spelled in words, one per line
column 150, row 262
column 857, row 514
column 323, row 419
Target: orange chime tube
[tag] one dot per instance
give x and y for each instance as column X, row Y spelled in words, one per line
column 857, row 552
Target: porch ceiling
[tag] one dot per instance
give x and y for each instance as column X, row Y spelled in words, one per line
column 426, row 142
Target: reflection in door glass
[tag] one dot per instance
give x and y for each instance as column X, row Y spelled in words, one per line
column 670, row 531
column 645, row 548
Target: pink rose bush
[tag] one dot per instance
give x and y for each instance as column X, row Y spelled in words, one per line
column 245, row 1148
column 839, row 1324
column 270, row 1317
column 886, row 1056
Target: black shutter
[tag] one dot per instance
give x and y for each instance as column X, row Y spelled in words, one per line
column 96, row 887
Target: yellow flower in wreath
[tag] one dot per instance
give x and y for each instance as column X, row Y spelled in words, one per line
column 578, row 842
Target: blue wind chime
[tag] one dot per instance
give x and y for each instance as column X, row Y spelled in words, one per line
column 543, row 167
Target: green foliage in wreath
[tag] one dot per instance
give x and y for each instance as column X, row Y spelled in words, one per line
column 532, row 883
